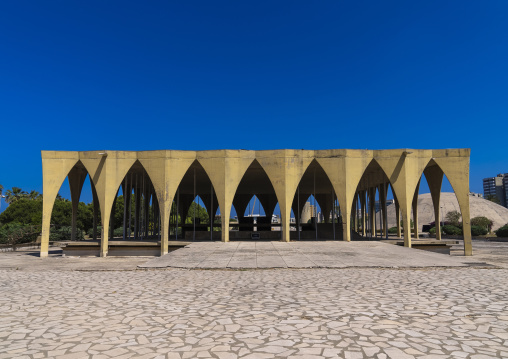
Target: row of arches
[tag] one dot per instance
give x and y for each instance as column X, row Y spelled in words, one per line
column 342, row 182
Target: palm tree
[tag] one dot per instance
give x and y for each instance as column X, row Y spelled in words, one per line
column 1, row 194
column 12, row 195
column 33, row 195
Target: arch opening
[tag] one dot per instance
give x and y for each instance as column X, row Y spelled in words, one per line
column 195, row 212
column 444, row 206
column 370, row 215
column 135, row 211
column 72, row 219
column 316, row 209
column 255, row 189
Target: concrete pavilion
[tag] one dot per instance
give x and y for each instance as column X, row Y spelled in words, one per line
column 226, row 178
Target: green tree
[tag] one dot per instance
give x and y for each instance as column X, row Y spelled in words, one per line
column 200, row 213
column 453, row 217
column 492, row 198
column 25, row 211
column 483, row 222
column 503, row 231
column 14, row 194
column 33, row 195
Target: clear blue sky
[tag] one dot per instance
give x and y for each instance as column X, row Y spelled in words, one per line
column 196, row 75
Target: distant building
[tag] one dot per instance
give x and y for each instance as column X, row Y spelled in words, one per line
column 308, row 212
column 505, row 186
column 497, row 187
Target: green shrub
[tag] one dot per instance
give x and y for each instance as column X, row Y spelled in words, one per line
column 433, row 230
column 392, row 230
column 478, row 231
column 482, row 222
column 451, row 230
column 16, row 233
column 90, row 231
column 453, row 217
column 503, row 231
column 118, row 232
column 64, row 234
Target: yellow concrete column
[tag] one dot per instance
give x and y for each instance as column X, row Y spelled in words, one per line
column 56, row 165
column 107, row 169
column 455, row 165
column 406, row 220
column 404, row 169
column 225, row 168
column 166, row 170
column 415, row 210
column 285, row 169
column 345, row 168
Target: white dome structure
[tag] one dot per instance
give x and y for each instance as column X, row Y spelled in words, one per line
column 478, row 207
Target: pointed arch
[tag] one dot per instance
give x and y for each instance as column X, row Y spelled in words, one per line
column 316, row 183
column 285, row 169
column 56, row 166
column 166, row 170
column 107, row 170
column 454, row 164
column 255, row 202
column 344, row 168
column 254, row 182
column 404, row 169
column 195, row 182
column 374, row 182
column 137, row 182
column 225, row 168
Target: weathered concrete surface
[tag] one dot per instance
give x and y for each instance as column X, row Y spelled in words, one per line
column 343, row 175
column 325, row 254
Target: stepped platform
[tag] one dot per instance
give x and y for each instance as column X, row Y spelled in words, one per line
column 122, row 248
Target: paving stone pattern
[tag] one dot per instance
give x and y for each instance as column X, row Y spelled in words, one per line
column 284, row 313
column 325, row 254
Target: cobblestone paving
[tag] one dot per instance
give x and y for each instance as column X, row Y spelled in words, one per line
column 284, row 313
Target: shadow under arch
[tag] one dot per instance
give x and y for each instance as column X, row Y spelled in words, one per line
column 138, row 208
column 316, row 183
column 255, row 182
column 195, row 183
column 373, row 183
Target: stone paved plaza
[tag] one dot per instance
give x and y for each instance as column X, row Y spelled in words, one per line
column 117, row 311
column 304, row 254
